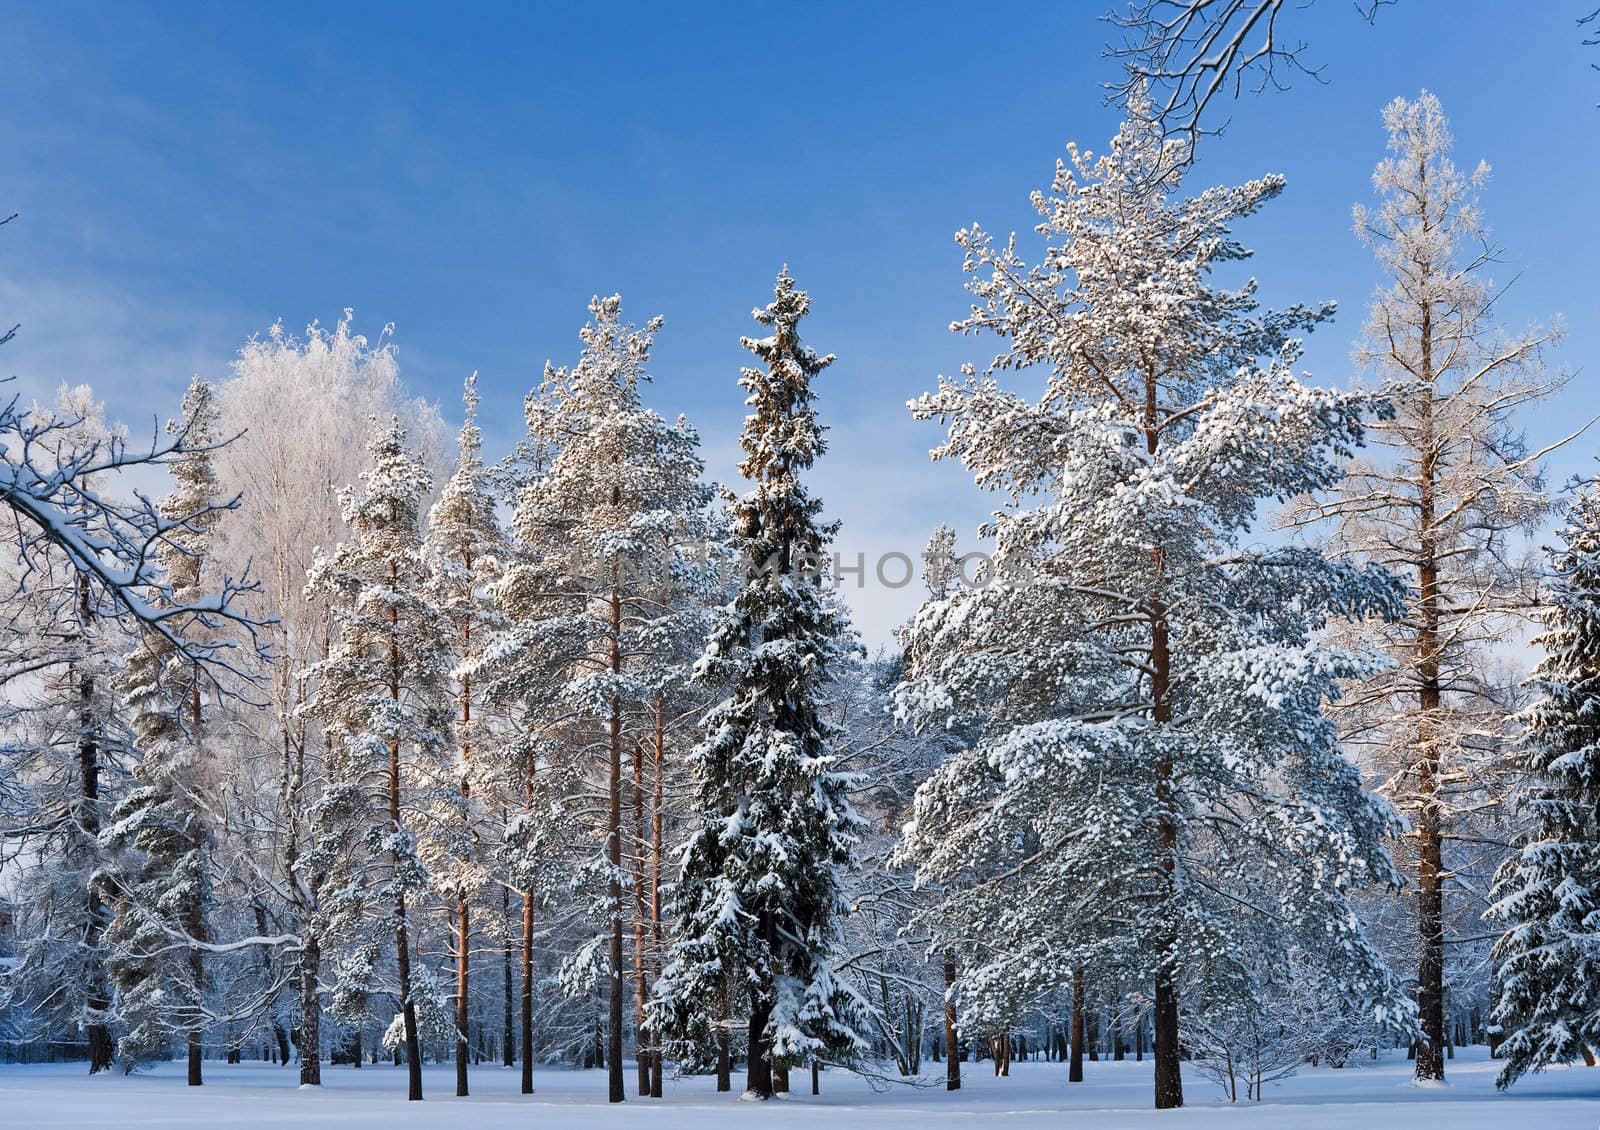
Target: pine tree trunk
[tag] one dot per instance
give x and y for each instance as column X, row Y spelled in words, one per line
column 508, row 1042
column 641, row 982
column 463, row 936
column 527, row 992
column 655, row 873
column 463, row 916
column 407, row 1005
column 1169, row 1080
column 617, row 1090
column 1075, row 1068
column 724, row 1062
column 780, row 1078
column 952, row 1061
column 402, row 946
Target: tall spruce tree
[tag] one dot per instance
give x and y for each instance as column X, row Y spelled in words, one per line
column 759, row 889
column 162, row 896
column 1547, row 894
column 1152, row 786
column 382, row 697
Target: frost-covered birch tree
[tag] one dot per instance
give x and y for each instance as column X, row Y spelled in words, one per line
column 305, row 405
column 1152, row 787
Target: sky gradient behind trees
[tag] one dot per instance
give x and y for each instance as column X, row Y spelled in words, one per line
column 185, row 178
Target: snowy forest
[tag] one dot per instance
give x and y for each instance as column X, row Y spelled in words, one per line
column 1254, row 735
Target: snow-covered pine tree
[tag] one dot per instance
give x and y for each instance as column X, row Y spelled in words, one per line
column 685, row 594
column 1153, row 786
column 383, row 700
column 1547, row 894
column 162, row 897
column 520, row 672
column 607, row 519
column 1439, row 505
column 464, row 546
column 758, row 892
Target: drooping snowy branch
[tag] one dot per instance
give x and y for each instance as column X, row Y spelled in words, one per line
column 50, row 483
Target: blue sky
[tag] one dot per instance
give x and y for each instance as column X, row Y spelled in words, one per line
column 189, row 174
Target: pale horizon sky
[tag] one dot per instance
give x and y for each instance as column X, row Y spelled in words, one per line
column 187, row 175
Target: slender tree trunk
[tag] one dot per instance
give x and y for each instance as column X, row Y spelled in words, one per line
column 402, row 945
column 508, row 1042
column 641, row 981
column 1430, row 863
column 780, row 1078
column 1169, row 1078
column 195, row 921
column 102, row 1049
column 655, row 873
column 407, row 1004
column 952, row 1061
column 463, row 910
column 310, row 957
column 463, row 941
column 617, row 1090
column 527, row 992
column 1075, row 1069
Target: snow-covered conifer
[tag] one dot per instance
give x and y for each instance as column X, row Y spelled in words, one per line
column 382, row 696
column 610, row 515
column 163, row 896
column 759, row 889
column 1152, row 787
column 464, row 546
column 1547, row 894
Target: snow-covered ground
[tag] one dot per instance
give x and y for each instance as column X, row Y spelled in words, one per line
column 1367, row 1096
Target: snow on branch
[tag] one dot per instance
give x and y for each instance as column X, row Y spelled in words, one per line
column 47, row 483
column 1186, row 52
